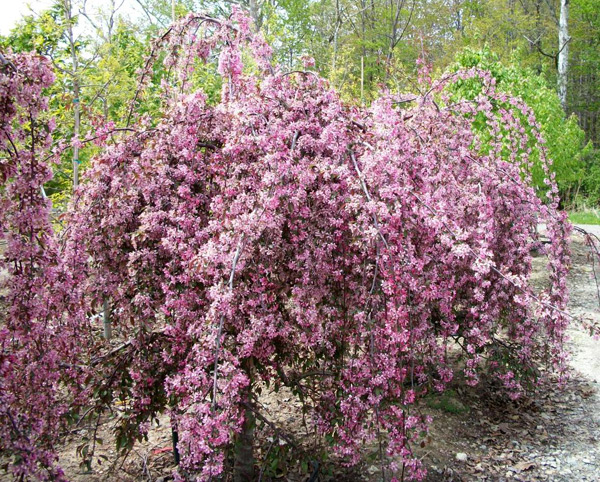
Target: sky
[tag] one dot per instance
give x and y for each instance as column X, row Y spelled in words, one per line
column 13, row 10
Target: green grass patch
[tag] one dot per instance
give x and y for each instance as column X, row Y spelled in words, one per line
column 591, row 216
column 446, row 402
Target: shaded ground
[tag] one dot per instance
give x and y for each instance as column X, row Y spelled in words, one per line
column 477, row 435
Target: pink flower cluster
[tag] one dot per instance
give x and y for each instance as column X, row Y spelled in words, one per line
column 282, row 237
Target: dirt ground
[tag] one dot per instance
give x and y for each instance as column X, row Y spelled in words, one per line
column 476, row 435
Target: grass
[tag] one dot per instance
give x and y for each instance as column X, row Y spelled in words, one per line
column 588, row 216
column 447, row 401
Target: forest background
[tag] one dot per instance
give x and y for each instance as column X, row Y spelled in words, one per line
column 361, row 46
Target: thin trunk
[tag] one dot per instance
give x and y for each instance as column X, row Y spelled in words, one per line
column 175, row 439
column 76, row 91
column 335, row 51
column 563, row 52
column 364, row 51
column 256, row 14
column 106, row 320
column 510, row 34
column 362, row 79
column 243, row 466
column 335, row 37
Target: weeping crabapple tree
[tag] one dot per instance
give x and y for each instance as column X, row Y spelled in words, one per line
column 277, row 238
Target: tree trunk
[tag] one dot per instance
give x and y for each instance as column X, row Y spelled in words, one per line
column 243, row 465
column 106, row 320
column 563, row 52
column 76, row 127
column 76, row 89
column 256, row 14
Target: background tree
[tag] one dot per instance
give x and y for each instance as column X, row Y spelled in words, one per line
column 95, row 75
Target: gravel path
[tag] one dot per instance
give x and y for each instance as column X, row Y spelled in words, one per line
column 590, row 228
column 572, row 418
column 580, row 455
